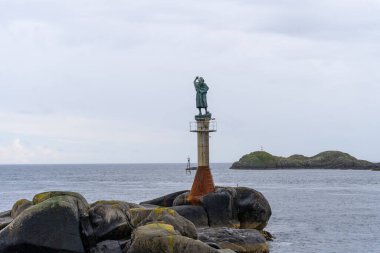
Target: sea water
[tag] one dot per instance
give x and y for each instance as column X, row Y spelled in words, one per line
column 313, row 210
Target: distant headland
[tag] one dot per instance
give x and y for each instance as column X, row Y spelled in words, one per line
column 325, row 160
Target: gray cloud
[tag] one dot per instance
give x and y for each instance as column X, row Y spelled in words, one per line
column 295, row 77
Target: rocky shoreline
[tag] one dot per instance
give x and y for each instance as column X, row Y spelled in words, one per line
column 261, row 160
column 231, row 219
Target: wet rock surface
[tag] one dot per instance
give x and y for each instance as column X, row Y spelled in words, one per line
column 239, row 240
column 5, row 219
column 64, row 222
column 196, row 214
column 254, row 209
column 221, row 209
column 110, row 220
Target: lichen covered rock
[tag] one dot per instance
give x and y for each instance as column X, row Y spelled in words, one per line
column 52, row 225
column 81, row 201
column 63, row 222
column 165, row 216
column 20, row 206
column 163, row 238
column 139, row 214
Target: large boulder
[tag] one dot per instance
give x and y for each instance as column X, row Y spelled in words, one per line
column 169, row 216
column 221, row 208
column 82, row 203
column 163, row 238
column 235, row 207
column 196, row 214
column 51, row 225
column 110, row 220
column 238, row 240
column 254, row 209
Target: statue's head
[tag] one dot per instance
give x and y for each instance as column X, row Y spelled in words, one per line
column 201, row 80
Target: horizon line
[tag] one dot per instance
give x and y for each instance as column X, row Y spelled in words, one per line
column 102, row 163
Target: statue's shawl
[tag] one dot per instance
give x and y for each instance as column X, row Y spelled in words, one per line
column 201, row 87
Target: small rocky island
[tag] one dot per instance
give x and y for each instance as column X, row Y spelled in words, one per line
column 228, row 220
column 325, row 160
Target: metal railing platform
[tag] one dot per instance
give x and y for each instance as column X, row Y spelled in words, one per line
column 196, row 126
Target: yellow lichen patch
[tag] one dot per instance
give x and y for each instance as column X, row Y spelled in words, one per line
column 21, row 202
column 138, row 215
column 136, row 210
column 171, row 243
column 38, row 198
column 160, row 210
column 167, row 227
column 139, row 212
column 161, row 226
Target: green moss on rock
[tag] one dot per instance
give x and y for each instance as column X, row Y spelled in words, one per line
column 40, row 197
column 19, row 206
column 160, row 237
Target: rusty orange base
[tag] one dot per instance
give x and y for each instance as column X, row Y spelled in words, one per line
column 202, row 185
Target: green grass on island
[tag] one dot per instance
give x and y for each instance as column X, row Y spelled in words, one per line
column 324, row 160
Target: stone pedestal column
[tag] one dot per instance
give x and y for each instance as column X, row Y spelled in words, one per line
column 203, row 181
column 203, row 142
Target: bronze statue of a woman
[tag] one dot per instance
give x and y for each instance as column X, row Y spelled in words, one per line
column 201, row 88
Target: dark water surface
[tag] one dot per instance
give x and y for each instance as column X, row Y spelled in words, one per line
column 313, row 210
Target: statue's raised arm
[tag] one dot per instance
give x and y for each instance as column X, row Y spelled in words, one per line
column 196, row 83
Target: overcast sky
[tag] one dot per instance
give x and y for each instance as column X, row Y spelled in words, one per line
column 111, row 81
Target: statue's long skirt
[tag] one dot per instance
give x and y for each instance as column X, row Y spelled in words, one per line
column 201, row 100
